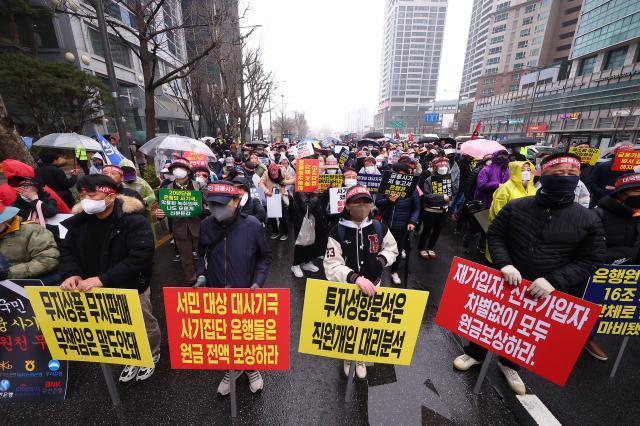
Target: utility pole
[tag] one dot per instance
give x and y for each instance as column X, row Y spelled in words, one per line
column 113, row 82
column 533, row 101
column 282, row 118
column 270, row 129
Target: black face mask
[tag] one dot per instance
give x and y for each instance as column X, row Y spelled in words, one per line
column 633, row 201
column 558, row 190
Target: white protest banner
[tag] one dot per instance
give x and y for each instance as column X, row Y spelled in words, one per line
column 274, row 205
column 337, row 199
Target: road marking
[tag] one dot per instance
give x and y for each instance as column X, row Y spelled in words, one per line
column 537, row 410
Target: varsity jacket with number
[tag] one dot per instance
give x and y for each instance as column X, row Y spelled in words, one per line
column 362, row 251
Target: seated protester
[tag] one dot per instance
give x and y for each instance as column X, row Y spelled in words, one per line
column 438, row 191
column 307, row 203
column 131, row 180
column 250, row 206
column 358, row 249
column 117, row 175
column 233, row 252
column 29, row 249
column 52, row 175
column 97, row 163
column 401, row 215
column 33, row 201
column 110, row 244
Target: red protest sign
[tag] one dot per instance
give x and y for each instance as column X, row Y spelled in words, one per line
column 545, row 336
column 227, row 329
column 625, row 160
column 307, row 175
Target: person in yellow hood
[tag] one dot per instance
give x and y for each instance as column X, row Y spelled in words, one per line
column 520, row 184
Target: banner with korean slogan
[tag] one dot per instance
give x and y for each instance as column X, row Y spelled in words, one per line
column 615, row 289
column 227, row 329
column 625, row 160
column 307, row 175
column 340, row 321
column 326, row 181
column 587, row 155
column 337, row 199
column 370, row 181
column 101, row 325
column 398, row 184
column 180, row 202
column 544, row 336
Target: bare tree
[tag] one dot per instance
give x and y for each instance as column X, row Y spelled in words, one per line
column 300, row 124
column 278, row 130
column 155, row 36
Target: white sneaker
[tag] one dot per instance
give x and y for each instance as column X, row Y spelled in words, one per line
column 144, row 373
column 361, row 370
column 128, row 373
column 396, row 278
column 224, row 388
column 513, row 379
column 297, row 271
column 465, row 362
column 256, row 384
column 309, row 266
column 346, row 364
column 404, row 254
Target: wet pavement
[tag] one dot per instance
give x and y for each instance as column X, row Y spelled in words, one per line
column 429, row 391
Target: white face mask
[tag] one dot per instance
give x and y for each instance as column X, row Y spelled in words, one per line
column 93, row 206
column 27, row 199
column 526, row 176
column 370, row 169
column 331, row 171
column 442, row 170
column 488, row 163
column 244, row 199
column 180, row 173
column 350, row 182
column 201, row 180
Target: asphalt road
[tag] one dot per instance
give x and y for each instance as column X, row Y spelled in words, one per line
column 429, row 391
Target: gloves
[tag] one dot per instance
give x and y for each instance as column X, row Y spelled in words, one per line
column 200, row 282
column 511, row 275
column 366, row 286
column 540, row 288
column 254, row 286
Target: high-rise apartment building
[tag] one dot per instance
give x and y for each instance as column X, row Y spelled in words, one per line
column 412, row 46
column 476, row 44
column 523, row 36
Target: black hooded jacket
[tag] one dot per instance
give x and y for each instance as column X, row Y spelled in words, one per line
column 622, row 231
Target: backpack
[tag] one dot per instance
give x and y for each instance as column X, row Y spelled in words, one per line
column 377, row 226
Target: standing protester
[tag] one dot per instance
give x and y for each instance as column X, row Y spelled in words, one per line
column 276, row 179
column 401, row 215
column 547, row 239
column 97, row 163
column 186, row 230
column 249, row 205
column 307, row 203
column 110, row 244
column 27, row 250
column 52, row 175
column 602, row 179
column 358, row 250
column 494, row 173
column 520, row 184
column 116, row 173
column 438, row 192
column 131, row 180
column 233, row 252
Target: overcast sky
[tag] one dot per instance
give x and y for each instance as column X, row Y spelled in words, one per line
column 328, row 53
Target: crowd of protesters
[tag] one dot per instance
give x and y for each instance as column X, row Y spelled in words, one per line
column 539, row 226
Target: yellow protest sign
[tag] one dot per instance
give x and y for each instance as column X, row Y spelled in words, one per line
column 329, row 181
column 102, row 325
column 340, row 321
column 587, row 155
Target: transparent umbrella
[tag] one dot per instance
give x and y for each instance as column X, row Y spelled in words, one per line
column 175, row 143
column 68, row 141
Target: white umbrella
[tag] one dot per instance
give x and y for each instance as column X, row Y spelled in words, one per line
column 68, row 141
column 175, row 143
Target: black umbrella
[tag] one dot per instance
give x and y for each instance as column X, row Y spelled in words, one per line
column 373, row 135
column 257, row 144
column 428, row 139
column 367, row 141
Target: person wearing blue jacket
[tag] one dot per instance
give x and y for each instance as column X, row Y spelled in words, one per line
column 401, row 215
column 233, row 252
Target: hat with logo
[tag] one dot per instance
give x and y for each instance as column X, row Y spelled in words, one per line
column 221, row 192
column 358, row 192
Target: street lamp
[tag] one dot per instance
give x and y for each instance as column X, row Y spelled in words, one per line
column 533, row 97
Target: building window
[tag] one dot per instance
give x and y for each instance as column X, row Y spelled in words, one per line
column 499, row 28
column 498, row 39
column 493, row 61
column 490, row 80
column 534, row 52
column 520, row 55
column 487, row 91
column 572, row 10
column 500, row 17
column 588, row 65
column 495, row 50
column 566, row 35
column 540, row 28
column 491, row 71
column 525, row 32
column 514, row 88
column 523, row 44
column 569, row 23
column 530, row 8
column 503, row 6
column 515, row 77
column 563, row 47
column 615, row 59
column 527, row 20
column 119, row 51
column 518, row 66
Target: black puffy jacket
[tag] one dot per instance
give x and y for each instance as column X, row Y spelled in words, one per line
column 622, row 231
column 126, row 255
column 564, row 245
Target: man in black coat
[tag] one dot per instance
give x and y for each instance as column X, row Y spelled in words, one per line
column 109, row 244
column 547, row 239
column 601, row 179
column 53, row 176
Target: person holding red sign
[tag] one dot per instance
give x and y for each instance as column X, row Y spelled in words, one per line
column 547, row 239
column 358, row 250
column 233, row 252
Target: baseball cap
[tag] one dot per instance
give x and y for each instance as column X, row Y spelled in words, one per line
column 358, row 192
column 221, row 192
